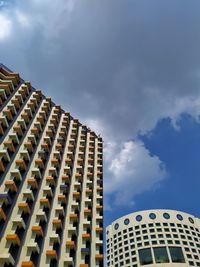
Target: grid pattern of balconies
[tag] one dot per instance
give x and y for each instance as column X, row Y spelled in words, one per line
column 51, row 182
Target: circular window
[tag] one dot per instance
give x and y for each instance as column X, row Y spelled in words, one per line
column 138, row 218
column 116, row 226
column 179, row 217
column 191, row 220
column 152, row 216
column 166, row 215
column 126, row 221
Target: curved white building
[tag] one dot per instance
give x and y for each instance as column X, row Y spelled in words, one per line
column 161, row 238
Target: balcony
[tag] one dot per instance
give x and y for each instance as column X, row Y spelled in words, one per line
column 52, row 254
column 45, row 202
column 99, row 256
column 27, row 264
column 13, row 239
column 6, row 258
column 86, row 236
column 5, row 199
column 21, row 164
column 37, row 230
column 2, row 215
column 57, row 223
column 50, row 180
column 24, row 207
column 10, row 185
column 70, row 244
column 32, row 182
column 9, row 145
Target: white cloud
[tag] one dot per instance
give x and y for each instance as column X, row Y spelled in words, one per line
column 5, row 27
column 131, row 171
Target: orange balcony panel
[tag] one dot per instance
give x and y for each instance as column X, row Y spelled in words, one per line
column 10, row 184
column 88, row 190
column 73, row 216
column 35, row 131
column 1, row 128
column 32, row 182
column 89, row 174
column 2, row 167
column 55, row 162
column 99, row 229
column 18, row 130
column 62, row 198
column 68, row 160
column 31, row 105
column 83, row 265
column 2, row 214
column 58, row 147
column 40, row 119
column 70, row 244
column 38, row 230
column 99, row 207
column 99, row 189
column 9, row 145
column 27, row 264
column 57, row 223
column 45, row 146
column 13, row 238
column 39, row 162
column 49, row 133
column 28, row 145
column 25, row 116
column 99, row 256
column 65, row 178
column 78, row 175
column 45, row 202
column 16, row 103
column 24, row 207
column 52, row 254
column 76, row 194
column 20, row 163
column 50, row 180
column 86, row 236
column 87, row 211
column 71, row 146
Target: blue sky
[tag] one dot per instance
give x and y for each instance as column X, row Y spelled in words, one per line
column 131, row 71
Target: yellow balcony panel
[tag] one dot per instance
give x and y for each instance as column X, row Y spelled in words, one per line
column 32, row 182
column 78, row 175
column 27, row 264
column 70, row 244
column 9, row 144
column 87, row 211
column 2, row 214
column 57, row 223
column 10, row 184
column 28, row 145
column 99, row 229
column 8, row 114
column 37, row 230
column 39, row 163
column 76, row 194
column 37, row 95
column 86, row 236
column 89, row 174
column 41, row 119
column 31, row 105
column 2, row 167
column 99, row 256
column 52, row 254
column 13, row 238
column 45, row 202
column 50, row 180
column 20, row 163
column 49, row 133
column 62, row 198
column 89, row 191
column 18, row 130
column 24, row 207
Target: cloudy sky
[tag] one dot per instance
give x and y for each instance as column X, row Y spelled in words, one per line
column 129, row 69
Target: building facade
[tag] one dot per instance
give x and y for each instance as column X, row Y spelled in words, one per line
column 51, row 182
column 163, row 238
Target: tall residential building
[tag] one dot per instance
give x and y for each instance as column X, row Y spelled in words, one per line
column 163, row 238
column 51, row 182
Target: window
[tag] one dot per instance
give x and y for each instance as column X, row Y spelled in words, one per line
column 161, row 255
column 179, row 217
column 191, row 220
column 138, row 218
column 176, row 254
column 166, row 215
column 116, row 226
column 145, row 256
column 126, row 221
column 152, row 216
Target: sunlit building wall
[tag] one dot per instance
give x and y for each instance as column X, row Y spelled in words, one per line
column 51, row 182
